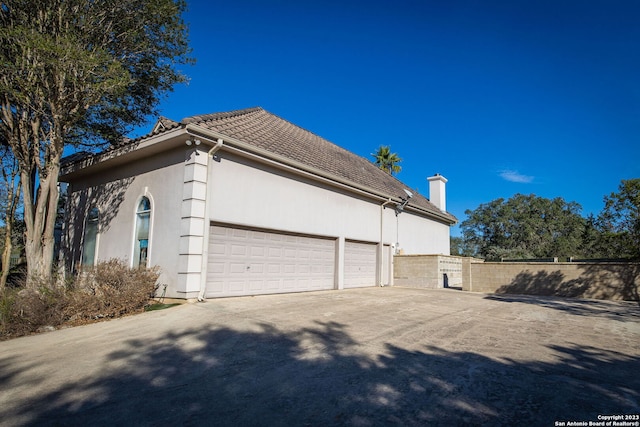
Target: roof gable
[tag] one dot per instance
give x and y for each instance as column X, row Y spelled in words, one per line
column 163, row 124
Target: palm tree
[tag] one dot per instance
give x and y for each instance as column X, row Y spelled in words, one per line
column 386, row 160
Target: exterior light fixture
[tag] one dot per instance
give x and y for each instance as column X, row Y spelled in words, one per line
column 400, row 208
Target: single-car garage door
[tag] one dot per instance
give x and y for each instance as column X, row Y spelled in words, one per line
column 360, row 264
column 253, row 262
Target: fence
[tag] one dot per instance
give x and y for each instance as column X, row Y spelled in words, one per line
column 599, row 280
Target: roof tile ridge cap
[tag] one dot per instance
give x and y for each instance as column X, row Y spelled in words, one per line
column 219, row 115
column 163, row 118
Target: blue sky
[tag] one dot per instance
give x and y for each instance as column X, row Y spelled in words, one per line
column 500, row 97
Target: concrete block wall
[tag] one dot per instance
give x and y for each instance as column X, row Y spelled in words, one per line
column 427, row 271
column 450, row 271
column 490, row 276
column 612, row 281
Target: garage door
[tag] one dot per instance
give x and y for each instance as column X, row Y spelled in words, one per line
column 360, row 264
column 253, row 262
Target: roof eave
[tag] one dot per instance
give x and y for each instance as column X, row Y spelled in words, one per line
column 139, row 148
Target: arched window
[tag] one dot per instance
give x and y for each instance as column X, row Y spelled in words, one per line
column 90, row 238
column 141, row 242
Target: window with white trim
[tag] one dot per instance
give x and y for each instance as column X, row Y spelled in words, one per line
column 141, row 238
column 90, row 238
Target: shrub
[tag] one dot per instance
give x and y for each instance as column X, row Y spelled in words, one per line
column 109, row 290
column 112, row 289
column 27, row 311
column 7, row 303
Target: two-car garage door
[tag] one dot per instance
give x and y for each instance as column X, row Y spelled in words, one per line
column 252, row 262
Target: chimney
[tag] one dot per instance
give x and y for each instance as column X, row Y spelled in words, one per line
column 437, row 191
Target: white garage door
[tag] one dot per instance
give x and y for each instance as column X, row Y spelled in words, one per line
column 252, row 262
column 360, row 264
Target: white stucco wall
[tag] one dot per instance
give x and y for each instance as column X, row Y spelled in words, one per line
column 262, row 196
column 160, row 179
column 240, row 192
column 417, row 235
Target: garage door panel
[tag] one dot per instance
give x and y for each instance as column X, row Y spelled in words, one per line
column 239, row 233
column 235, row 268
column 238, row 250
column 214, row 287
column 256, row 269
column 272, row 284
column 215, row 267
column 218, row 232
column 291, row 284
column 251, row 262
column 274, row 268
column 217, row 249
column 303, row 269
column 235, row 287
column 256, row 285
column 274, row 252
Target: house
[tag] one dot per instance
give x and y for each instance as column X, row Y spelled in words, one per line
column 244, row 203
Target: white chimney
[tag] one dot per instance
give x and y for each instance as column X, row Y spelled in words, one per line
column 437, row 191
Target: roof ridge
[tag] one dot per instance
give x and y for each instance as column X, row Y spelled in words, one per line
column 300, row 127
column 220, row 115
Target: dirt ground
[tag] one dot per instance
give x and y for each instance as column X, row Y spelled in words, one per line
column 363, row 357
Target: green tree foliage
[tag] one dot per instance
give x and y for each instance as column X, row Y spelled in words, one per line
column 524, row 226
column 78, row 71
column 619, row 222
column 386, row 160
column 460, row 247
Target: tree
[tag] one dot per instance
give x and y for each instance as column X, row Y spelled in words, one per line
column 524, row 227
column 592, row 239
column 78, row 72
column 386, row 160
column 619, row 222
column 460, row 247
column 9, row 201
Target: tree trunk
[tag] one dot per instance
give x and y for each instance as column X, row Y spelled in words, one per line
column 40, row 225
column 13, row 197
column 6, row 256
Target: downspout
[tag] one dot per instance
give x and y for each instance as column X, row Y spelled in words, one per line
column 207, row 210
column 381, row 246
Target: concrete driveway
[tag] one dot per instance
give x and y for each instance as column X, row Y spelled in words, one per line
column 376, row 356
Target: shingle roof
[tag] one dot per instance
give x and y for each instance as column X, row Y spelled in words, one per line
column 262, row 129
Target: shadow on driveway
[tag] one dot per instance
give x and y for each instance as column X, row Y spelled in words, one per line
column 312, row 377
column 619, row 310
